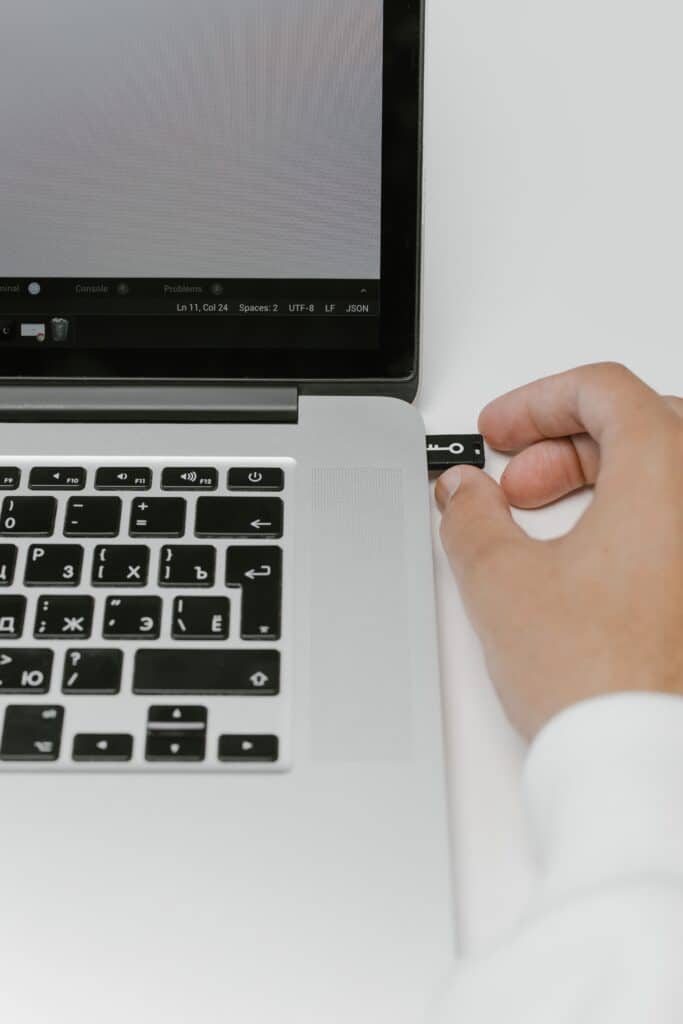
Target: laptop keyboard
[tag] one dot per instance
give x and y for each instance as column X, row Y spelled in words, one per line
column 141, row 615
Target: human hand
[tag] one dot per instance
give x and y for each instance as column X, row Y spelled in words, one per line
column 599, row 610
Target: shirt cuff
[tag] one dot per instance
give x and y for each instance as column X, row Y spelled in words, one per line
column 604, row 786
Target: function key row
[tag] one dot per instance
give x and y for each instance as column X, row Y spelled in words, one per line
column 149, row 517
column 117, row 478
column 173, row 673
column 35, row 734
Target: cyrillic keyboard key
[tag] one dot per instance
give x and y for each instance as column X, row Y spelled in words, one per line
column 207, row 672
column 198, row 478
column 54, row 565
column 28, row 517
column 117, row 478
column 239, row 517
column 129, row 618
column 102, row 747
column 201, row 618
column 57, row 478
column 95, row 672
column 157, row 517
column 25, row 671
column 187, row 565
column 258, row 571
column 256, row 479
column 60, row 618
column 92, row 517
column 248, row 749
column 8, row 562
column 10, row 477
column 120, row 565
column 12, row 612
column 31, row 733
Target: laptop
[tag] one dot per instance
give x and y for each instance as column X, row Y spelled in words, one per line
column 222, row 782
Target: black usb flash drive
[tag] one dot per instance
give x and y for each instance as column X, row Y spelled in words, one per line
column 446, row 450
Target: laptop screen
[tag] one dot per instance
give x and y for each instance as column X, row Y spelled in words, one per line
column 203, row 176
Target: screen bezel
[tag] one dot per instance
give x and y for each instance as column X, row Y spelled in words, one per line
column 317, row 360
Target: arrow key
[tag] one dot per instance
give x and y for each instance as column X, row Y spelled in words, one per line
column 102, row 747
column 248, row 748
column 167, row 747
column 182, row 718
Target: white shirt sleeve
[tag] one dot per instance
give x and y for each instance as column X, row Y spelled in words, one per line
column 602, row 941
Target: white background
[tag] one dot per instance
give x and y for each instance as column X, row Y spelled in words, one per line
column 554, row 236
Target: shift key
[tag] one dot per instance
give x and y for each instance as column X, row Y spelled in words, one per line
column 206, row 673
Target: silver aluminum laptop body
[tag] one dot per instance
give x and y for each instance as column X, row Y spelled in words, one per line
column 316, row 893
column 222, row 777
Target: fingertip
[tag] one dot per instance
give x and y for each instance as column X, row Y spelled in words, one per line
column 519, row 490
column 447, row 485
column 494, row 426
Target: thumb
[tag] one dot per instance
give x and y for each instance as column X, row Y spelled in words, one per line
column 482, row 540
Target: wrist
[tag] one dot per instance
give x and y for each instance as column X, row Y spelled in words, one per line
column 604, row 785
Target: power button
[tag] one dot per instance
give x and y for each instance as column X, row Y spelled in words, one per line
column 256, row 479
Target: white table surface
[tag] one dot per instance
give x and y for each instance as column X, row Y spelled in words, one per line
column 554, row 237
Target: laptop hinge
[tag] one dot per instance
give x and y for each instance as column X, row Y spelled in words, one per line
column 149, row 403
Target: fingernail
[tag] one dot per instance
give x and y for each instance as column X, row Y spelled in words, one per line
column 451, row 481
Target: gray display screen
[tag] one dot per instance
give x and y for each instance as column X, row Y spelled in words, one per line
column 191, row 138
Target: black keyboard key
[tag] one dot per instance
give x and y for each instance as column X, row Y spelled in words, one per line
column 201, row 618
column 25, row 671
column 103, row 747
column 31, row 733
column 96, row 672
column 92, row 517
column 130, row 618
column 54, row 565
column 12, row 612
column 57, row 478
column 63, row 618
column 8, row 563
column 187, row 565
column 188, row 718
column 118, row 478
column 176, row 734
column 10, row 477
column 239, row 517
column 120, row 565
column 258, row 571
column 207, row 672
column 183, row 478
column 28, row 517
column 256, row 480
column 157, row 517
column 248, row 749
column 166, row 747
